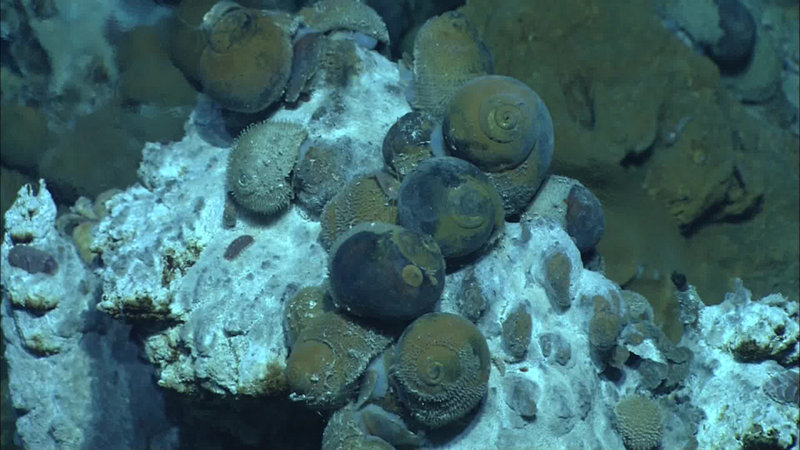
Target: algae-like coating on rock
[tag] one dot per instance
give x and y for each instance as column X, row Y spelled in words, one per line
column 440, row 368
column 387, row 272
column 494, row 122
column 247, row 59
column 454, row 202
column 328, row 358
column 260, row 165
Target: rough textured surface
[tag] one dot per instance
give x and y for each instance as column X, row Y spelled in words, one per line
column 729, row 392
column 352, row 15
column 260, row 165
column 215, row 326
column 638, row 419
column 75, row 378
column 447, row 54
column 614, row 128
column 440, row 367
column 163, row 247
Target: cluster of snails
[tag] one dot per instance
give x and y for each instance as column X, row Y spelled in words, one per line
column 391, row 236
column 367, row 343
column 252, row 57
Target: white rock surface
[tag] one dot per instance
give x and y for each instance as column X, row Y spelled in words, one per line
column 733, row 394
column 75, row 378
column 216, row 324
column 163, row 244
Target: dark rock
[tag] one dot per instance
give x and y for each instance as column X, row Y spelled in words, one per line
column 734, row 50
column 520, row 396
column 32, row 260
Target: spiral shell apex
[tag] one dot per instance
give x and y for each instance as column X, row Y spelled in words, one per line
column 329, row 357
column 494, row 122
column 440, row 368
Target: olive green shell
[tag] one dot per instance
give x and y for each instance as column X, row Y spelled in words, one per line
column 302, row 309
column 247, row 59
column 384, row 271
column 366, row 199
column 451, row 200
column 440, row 368
column 328, row 358
column 261, row 164
column 502, row 126
column 447, row 54
column 352, row 15
column 494, row 122
column 516, row 332
column 346, row 430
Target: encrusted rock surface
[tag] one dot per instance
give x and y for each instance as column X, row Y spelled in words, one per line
column 212, row 326
column 75, row 377
column 737, row 396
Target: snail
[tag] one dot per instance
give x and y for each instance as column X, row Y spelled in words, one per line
column 502, row 126
column 454, row 202
column 440, row 368
column 248, row 57
column 260, row 165
column 384, row 271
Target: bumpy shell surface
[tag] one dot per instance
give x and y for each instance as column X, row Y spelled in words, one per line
column 328, row 359
column 351, row 15
column 363, row 200
column 302, row 309
column 447, row 54
column 454, row 202
column 387, row 272
column 408, row 142
column 247, row 59
column 638, row 420
column 260, row 165
column 495, row 122
column 440, row 368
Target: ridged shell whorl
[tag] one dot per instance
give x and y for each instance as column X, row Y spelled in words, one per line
column 440, row 368
column 453, row 201
column 495, row 122
column 328, row 358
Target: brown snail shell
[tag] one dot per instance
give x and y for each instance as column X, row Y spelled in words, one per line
column 440, row 368
column 247, row 59
column 494, row 122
